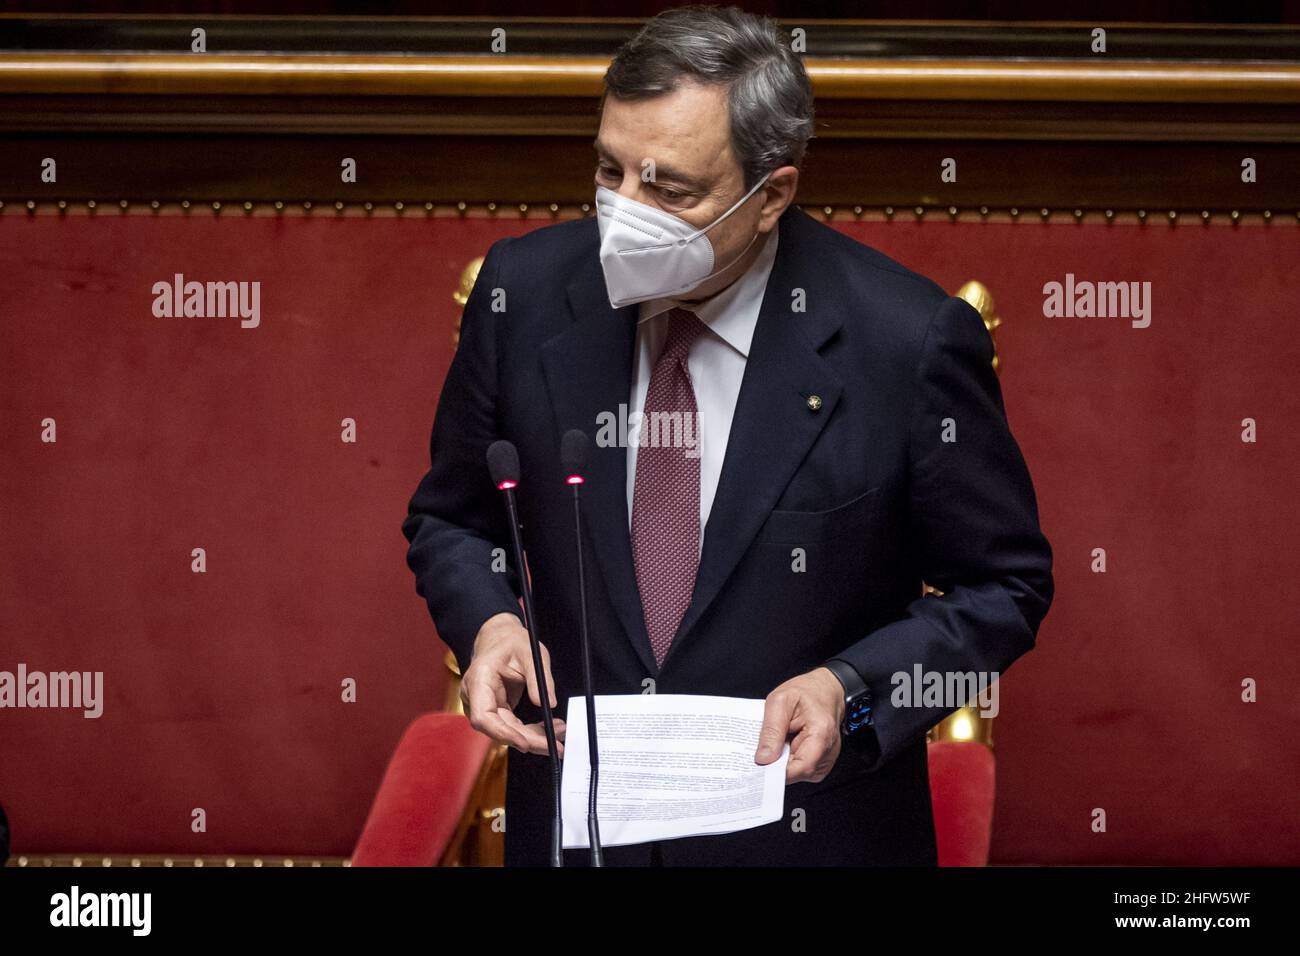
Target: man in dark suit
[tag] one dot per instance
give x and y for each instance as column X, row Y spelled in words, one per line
column 846, row 441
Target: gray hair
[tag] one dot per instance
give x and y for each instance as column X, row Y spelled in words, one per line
column 769, row 97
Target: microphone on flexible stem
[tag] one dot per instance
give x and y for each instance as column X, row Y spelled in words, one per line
column 503, row 465
column 573, row 456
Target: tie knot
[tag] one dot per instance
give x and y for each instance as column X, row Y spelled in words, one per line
column 684, row 328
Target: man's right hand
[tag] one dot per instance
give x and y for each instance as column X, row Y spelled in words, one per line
column 499, row 671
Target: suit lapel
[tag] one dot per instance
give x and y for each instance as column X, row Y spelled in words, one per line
column 588, row 370
column 774, row 425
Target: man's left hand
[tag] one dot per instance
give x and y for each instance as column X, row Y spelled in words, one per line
column 810, row 706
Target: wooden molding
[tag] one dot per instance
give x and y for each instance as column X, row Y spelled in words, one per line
column 1034, row 120
column 1102, row 80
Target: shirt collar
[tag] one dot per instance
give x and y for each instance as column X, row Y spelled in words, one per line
column 732, row 314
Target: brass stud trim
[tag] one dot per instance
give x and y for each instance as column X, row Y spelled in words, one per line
column 1078, row 214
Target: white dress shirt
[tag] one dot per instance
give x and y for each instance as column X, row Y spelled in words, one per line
column 716, row 363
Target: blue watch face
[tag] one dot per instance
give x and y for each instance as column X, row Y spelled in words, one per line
column 857, row 714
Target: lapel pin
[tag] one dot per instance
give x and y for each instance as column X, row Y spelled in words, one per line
column 814, row 403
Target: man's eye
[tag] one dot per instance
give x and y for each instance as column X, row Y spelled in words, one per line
column 606, row 171
column 672, row 195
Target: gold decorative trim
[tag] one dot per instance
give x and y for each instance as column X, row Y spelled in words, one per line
column 544, row 211
column 131, row 860
column 468, row 276
column 453, row 705
column 1106, row 79
column 963, row 724
column 979, row 297
column 301, row 74
column 308, row 207
column 475, row 841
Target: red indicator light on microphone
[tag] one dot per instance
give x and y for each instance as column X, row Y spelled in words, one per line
column 507, row 484
column 574, row 480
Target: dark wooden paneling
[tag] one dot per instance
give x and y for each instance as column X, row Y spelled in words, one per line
column 1065, row 130
column 479, row 169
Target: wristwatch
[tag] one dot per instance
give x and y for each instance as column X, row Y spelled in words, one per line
column 857, row 696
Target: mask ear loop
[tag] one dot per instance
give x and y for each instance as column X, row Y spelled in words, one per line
column 740, row 202
column 718, row 272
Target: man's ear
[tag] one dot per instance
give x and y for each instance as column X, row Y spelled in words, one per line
column 778, row 193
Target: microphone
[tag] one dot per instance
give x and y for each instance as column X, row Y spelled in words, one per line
column 503, row 465
column 573, row 456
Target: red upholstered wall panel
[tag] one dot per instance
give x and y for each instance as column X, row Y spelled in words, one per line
column 1131, row 702
column 223, row 689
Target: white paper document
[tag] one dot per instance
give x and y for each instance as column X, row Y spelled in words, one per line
column 671, row 765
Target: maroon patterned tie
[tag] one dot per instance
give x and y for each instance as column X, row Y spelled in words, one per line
column 666, row 492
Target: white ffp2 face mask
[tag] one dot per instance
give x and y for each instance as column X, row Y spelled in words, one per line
column 647, row 253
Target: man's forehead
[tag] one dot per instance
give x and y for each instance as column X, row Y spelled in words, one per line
column 686, row 130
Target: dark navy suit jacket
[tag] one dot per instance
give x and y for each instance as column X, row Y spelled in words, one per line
column 866, row 486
